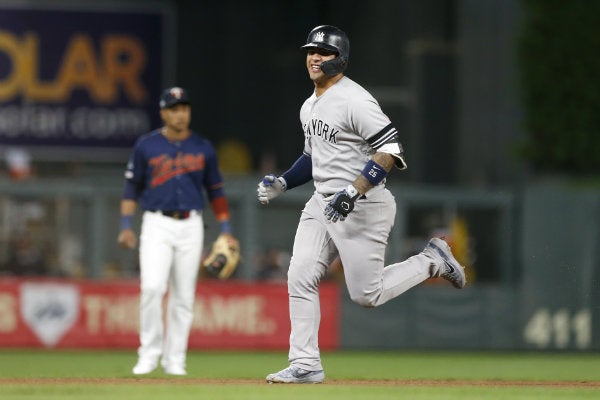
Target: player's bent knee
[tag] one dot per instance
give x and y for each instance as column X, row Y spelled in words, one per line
column 365, row 300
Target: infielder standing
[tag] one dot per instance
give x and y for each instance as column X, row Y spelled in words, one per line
column 350, row 146
column 167, row 173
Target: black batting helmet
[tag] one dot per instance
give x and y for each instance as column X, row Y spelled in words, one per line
column 330, row 38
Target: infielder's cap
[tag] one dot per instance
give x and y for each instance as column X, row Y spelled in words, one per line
column 172, row 96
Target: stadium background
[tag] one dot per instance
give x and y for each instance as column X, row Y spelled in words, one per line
column 446, row 72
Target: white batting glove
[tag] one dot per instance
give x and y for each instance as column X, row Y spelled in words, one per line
column 270, row 187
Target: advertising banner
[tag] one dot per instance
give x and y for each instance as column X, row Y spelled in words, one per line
column 105, row 314
column 79, row 76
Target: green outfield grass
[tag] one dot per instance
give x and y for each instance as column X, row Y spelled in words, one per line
column 54, row 374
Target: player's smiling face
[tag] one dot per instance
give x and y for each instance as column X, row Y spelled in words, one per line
column 314, row 58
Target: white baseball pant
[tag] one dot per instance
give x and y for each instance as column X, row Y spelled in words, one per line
column 170, row 252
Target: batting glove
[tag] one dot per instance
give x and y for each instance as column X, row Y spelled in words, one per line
column 341, row 204
column 270, row 187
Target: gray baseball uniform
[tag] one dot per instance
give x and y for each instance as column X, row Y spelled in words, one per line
column 345, row 133
column 338, row 127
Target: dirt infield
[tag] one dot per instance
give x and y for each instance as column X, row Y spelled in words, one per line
column 201, row 381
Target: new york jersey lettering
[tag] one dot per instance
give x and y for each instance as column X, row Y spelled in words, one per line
column 318, row 128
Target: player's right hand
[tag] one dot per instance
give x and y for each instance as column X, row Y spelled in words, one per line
column 127, row 239
column 270, row 187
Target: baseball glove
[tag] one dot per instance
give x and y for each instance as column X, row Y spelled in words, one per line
column 224, row 257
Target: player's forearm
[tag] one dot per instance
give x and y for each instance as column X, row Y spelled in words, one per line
column 384, row 159
column 220, row 208
column 128, row 208
column 364, row 182
column 299, row 173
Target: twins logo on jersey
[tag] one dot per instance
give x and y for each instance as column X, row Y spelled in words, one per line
column 165, row 167
column 316, row 127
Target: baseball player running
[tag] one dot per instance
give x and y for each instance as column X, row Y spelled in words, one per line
column 350, row 146
column 167, row 172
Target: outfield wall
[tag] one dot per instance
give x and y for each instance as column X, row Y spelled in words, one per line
column 532, row 260
column 105, row 314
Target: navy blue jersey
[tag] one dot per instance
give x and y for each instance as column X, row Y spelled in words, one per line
column 169, row 175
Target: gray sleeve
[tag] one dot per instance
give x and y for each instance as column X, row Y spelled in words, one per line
column 376, row 128
column 366, row 117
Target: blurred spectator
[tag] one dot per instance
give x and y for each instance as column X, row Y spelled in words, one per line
column 18, row 163
column 25, row 257
column 70, row 257
column 28, row 240
column 273, row 265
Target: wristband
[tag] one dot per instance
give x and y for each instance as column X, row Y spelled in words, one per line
column 283, row 182
column 225, row 227
column 374, row 172
column 126, row 222
column 352, row 192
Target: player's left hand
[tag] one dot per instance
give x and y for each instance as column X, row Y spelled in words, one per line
column 341, row 204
